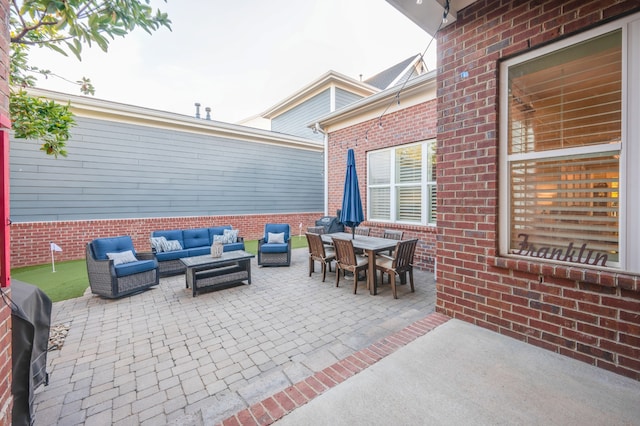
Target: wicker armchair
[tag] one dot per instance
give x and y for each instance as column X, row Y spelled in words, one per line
column 275, row 253
column 112, row 281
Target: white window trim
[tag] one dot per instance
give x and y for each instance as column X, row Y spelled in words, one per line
column 424, row 216
column 629, row 199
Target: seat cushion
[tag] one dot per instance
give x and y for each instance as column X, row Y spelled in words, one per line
column 198, row 237
column 126, row 269
column 233, row 246
column 274, row 248
column 102, row 246
column 171, row 255
column 199, row 251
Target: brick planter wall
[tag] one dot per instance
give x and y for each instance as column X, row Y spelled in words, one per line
column 590, row 315
column 30, row 240
column 412, row 124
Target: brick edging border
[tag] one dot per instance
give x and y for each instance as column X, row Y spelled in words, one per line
column 282, row 403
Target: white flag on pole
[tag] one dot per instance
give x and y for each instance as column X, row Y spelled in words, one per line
column 55, row 247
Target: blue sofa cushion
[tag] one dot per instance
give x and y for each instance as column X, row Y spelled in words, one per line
column 276, row 228
column 198, row 237
column 199, row 251
column 274, row 248
column 171, row 255
column 125, row 269
column 173, row 234
column 102, row 246
column 233, row 246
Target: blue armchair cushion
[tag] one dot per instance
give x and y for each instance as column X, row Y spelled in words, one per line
column 276, row 228
column 274, row 248
column 198, row 237
column 102, row 246
column 122, row 257
column 125, row 269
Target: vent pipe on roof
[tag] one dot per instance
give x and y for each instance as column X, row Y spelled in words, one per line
column 208, row 110
column 197, row 104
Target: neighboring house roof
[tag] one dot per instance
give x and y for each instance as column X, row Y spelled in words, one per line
column 409, row 68
column 327, row 80
column 417, row 90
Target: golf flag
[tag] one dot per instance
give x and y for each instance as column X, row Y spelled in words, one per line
column 54, row 247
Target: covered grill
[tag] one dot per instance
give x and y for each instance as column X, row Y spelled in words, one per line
column 330, row 224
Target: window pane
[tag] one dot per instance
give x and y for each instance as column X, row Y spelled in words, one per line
column 408, row 204
column 563, row 203
column 568, row 98
column 409, row 164
column 380, row 203
column 380, row 168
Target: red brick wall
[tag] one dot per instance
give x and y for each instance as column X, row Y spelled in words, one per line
column 590, row 315
column 409, row 125
column 30, row 240
column 6, row 399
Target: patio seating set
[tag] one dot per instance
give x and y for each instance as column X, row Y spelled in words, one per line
column 358, row 252
column 115, row 269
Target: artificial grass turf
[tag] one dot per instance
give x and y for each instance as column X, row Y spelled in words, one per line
column 70, row 279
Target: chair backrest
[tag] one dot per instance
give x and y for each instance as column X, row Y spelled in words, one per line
column 362, row 230
column 316, row 247
column 393, row 235
column 316, row 229
column 345, row 254
column 276, row 228
column 404, row 252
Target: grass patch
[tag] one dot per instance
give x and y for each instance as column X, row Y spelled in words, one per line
column 70, row 279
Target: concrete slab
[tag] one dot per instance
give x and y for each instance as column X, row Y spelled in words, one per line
column 462, row 374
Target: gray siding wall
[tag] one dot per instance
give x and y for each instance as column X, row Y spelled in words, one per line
column 344, row 98
column 117, row 170
column 294, row 121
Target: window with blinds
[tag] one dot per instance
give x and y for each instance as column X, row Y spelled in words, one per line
column 564, row 138
column 401, row 184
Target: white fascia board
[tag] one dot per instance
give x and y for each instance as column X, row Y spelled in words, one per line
column 84, row 106
column 327, row 80
column 428, row 15
column 418, row 90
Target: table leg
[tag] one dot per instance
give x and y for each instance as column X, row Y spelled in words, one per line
column 371, row 274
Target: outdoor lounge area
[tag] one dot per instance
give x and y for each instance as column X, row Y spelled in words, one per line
column 163, row 356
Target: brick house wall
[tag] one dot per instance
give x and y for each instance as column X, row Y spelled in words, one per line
column 30, row 240
column 586, row 314
column 6, row 399
column 409, row 125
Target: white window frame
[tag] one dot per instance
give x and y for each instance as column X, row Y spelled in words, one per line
column 629, row 195
column 428, row 151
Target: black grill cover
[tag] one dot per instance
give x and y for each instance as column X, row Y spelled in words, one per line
column 330, row 224
column 31, row 318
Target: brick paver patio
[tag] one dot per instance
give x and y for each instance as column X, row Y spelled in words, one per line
column 165, row 357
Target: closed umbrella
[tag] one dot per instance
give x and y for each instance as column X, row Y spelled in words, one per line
column 352, row 214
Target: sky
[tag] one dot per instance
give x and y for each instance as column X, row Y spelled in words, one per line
column 241, row 57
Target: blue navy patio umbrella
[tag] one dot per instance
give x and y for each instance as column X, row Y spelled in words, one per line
column 352, row 214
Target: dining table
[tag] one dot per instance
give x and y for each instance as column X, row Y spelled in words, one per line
column 370, row 245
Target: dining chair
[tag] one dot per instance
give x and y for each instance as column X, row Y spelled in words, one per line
column 392, row 235
column 362, row 230
column 347, row 260
column 319, row 253
column 400, row 264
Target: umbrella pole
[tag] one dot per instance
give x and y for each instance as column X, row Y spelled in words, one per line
column 353, row 232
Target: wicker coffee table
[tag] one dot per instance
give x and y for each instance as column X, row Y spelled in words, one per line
column 206, row 272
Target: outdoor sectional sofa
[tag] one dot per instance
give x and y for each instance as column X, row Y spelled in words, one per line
column 193, row 242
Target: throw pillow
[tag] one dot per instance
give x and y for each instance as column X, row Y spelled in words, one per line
column 157, row 244
column 275, row 238
column 220, row 239
column 232, row 235
column 122, row 257
column 172, row 245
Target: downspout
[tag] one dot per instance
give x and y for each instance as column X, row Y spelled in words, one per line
column 325, row 140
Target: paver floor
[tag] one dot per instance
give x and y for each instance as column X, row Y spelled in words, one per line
column 164, row 357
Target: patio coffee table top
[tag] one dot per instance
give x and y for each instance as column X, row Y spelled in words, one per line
column 207, row 259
